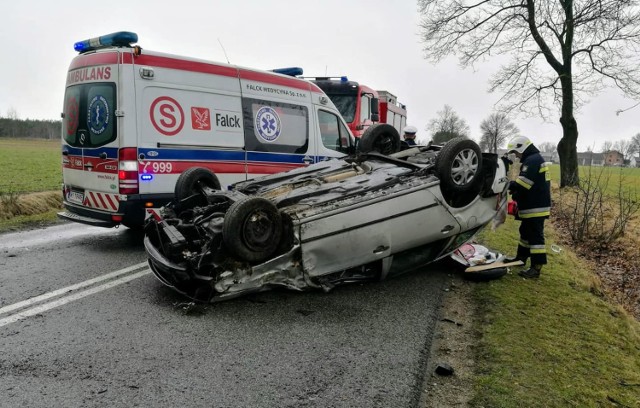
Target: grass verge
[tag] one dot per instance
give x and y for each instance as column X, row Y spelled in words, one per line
column 553, row 342
column 29, row 221
column 23, row 210
column 30, row 189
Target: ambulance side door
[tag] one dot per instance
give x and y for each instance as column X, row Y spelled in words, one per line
column 187, row 119
column 276, row 135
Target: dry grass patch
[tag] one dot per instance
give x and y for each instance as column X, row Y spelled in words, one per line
column 13, row 205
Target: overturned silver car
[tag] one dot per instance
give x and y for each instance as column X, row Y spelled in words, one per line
column 364, row 217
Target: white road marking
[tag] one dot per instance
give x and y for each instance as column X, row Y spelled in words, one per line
column 71, row 288
column 72, row 297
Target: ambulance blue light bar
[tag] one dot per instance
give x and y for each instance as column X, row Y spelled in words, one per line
column 119, row 39
column 291, row 71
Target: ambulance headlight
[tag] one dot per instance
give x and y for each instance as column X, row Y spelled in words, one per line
column 119, row 39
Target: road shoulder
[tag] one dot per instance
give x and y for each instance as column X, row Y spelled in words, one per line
column 453, row 345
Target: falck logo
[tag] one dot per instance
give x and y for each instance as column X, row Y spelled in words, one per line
column 200, row 118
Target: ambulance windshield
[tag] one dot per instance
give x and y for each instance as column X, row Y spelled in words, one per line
column 89, row 119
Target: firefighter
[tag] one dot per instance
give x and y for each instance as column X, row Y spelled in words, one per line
column 410, row 135
column 532, row 192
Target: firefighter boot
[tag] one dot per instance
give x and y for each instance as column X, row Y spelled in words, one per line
column 531, row 273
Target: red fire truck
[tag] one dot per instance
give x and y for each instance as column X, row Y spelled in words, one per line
column 362, row 106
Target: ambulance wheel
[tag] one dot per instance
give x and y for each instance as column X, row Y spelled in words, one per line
column 252, row 229
column 191, row 183
column 458, row 166
column 381, row 138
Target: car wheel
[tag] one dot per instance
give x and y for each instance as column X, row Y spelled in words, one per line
column 458, row 166
column 252, row 228
column 382, row 138
column 486, row 275
column 191, row 182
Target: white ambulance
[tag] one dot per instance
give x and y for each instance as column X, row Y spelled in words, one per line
column 134, row 120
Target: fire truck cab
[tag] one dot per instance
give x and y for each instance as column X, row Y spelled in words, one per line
column 134, row 120
column 362, row 106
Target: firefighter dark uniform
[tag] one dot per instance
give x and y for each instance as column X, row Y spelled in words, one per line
column 532, row 191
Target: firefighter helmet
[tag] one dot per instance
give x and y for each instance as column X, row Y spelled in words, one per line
column 518, row 144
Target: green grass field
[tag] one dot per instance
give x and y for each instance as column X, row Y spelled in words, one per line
column 610, row 177
column 30, row 165
column 553, row 342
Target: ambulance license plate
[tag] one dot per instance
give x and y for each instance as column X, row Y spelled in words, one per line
column 75, row 196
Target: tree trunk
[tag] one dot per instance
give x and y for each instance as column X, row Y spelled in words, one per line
column 567, row 152
column 567, row 147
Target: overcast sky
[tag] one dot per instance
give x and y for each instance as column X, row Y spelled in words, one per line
column 374, row 42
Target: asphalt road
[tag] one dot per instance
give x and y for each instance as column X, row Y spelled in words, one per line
column 83, row 323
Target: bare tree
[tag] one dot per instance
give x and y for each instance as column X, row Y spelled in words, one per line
column 496, row 129
column 625, row 147
column 547, row 147
column 447, row 126
column 607, row 145
column 561, row 51
column 12, row 114
column 635, row 143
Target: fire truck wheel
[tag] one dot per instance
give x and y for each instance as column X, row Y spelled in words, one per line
column 195, row 182
column 381, row 137
column 459, row 167
column 252, row 229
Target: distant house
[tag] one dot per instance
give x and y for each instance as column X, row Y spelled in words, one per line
column 551, row 157
column 613, row 158
column 590, row 159
column 634, row 161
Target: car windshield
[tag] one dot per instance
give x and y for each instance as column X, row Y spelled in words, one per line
column 346, row 104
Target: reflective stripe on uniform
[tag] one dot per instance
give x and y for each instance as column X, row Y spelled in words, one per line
column 538, row 249
column 524, row 182
column 545, row 169
column 523, row 243
column 535, row 212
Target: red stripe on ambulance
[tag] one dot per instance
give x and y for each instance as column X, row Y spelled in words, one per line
column 191, row 66
column 271, row 168
column 89, row 60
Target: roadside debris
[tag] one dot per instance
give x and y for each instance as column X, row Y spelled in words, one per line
column 482, row 264
column 444, row 369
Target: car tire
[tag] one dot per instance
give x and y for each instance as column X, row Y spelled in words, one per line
column 486, row 275
column 459, row 167
column 381, row 138
column 190, row 183
column 252, row 229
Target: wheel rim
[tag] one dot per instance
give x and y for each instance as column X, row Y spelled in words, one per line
column 258, row 230
column 464, row 167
